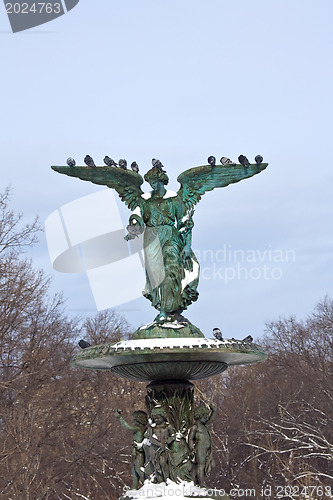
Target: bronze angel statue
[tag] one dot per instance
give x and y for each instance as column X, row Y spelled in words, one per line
column 166, row 218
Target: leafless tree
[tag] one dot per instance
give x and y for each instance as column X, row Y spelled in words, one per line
column 299, row 437
column 59, row 438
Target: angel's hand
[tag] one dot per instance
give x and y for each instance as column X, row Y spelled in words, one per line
column 187, row 260
column 189, row 224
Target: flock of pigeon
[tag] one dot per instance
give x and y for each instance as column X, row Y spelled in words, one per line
column 216, row 332
column 88, row 160
column 218, row 335
column 242, row 160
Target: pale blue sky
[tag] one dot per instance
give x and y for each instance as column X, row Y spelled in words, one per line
column 179, row 81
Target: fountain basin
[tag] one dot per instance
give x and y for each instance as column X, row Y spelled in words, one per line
column 168, row 358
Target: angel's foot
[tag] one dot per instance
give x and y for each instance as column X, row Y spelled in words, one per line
column 161, row 318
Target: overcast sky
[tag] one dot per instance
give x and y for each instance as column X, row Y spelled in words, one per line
column 179, row 81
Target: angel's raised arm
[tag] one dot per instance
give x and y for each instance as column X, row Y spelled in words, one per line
column 196, row 181
column 125, row 182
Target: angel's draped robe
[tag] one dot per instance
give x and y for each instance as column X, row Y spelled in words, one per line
column 168, row 285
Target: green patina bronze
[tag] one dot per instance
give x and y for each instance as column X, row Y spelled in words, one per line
column 177, row 327
column 176, row 402
column 201, row 359
column 138, row 429
column 174, row 443
column 172, row 270
column 200, row 442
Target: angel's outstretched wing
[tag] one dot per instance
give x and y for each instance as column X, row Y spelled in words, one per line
column 125, row 182
column 196, row 181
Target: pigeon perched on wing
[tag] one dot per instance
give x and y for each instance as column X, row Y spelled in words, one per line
column 122, row 164
column 243, row 161
column 109, row 162
column 84, row 344
column 135, row 167
column 211, row 160
column 71, row 162
column 217, row 333
column 226, row 161
column 248, row 339
column 89, row 161
column 258, row 159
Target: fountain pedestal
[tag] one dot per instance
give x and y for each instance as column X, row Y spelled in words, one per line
column 171, row 446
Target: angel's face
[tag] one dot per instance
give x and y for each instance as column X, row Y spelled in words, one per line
column 156, row 184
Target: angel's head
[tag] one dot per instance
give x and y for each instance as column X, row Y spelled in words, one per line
column 156, row 175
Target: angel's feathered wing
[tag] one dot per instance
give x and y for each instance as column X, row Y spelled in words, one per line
column 125, row 182
column 196, row 181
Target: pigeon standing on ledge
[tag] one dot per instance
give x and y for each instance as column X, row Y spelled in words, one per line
column 109, row 162
column 89, row 161
column 84, row 344
column 122, row 164
column 71, row 162
column 211, row 160
column 243, row 161
column 217, row 333
column 258, row 159
column 226, row 161
column 135, row 167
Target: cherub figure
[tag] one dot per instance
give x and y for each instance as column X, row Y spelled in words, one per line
column 181, row 457
column 200, row 442
column 138, row 429
column 161, row 435
column 172, row 270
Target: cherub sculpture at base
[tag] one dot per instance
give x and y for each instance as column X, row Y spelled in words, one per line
column 161, row 435
column 159, row 452
column 200, row 442
column 138, row 429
